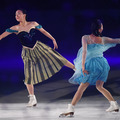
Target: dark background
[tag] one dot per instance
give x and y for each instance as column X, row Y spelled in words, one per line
column 67, row 21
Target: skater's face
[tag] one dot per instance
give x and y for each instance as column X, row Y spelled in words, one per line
column 20, row 16
column 101, row 29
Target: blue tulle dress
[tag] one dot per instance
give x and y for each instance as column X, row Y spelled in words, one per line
column 95, row 64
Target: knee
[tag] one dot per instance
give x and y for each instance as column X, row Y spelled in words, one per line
column 99, row 87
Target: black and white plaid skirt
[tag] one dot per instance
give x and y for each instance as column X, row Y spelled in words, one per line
column 41, row 63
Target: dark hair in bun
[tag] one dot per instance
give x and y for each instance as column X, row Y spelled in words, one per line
column 96, row 25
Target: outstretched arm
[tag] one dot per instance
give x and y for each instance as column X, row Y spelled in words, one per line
column 3, row 35
column 84, row 45
column 6, row 33
column 111, row 40
column 48, row 35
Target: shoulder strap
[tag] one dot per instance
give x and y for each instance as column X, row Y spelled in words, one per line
column 103, row 40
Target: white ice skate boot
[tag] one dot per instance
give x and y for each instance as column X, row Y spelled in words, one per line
column 113, row 107
column 69, row 112
column 32, row 101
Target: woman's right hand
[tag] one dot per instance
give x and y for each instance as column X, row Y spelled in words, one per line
column 84, row 71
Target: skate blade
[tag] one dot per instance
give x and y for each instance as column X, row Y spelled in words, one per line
column 32, row 105
column 117, row 110
column 70, row 114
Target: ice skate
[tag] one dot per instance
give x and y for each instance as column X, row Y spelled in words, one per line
column 32, row 101
column 69, row 112
column 113, row 107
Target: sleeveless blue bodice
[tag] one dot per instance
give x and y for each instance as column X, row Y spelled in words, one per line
column 27, row 39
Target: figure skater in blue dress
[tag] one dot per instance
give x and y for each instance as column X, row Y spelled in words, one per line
column 91, row 67
column 40, row 61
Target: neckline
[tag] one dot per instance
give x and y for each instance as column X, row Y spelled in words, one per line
column 25, row 31
column 95, row 44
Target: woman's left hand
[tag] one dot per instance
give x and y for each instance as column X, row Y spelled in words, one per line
column 55, row 44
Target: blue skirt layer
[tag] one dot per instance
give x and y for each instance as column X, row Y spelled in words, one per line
column 98, row 69
column 95, row 64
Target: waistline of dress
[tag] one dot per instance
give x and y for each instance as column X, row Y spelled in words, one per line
column 25, row 47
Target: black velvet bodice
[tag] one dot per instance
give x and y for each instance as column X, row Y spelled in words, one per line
column 28, row 39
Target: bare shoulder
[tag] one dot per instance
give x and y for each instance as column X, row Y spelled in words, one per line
column 108, row 38
column 84, row 38
column 15, row 27
column 34, row 23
